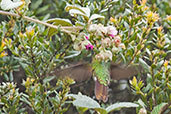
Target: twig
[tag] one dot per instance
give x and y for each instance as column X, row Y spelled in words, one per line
column 141, row 41
column 64, row 28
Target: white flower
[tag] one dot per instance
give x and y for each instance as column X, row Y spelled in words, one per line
column 77, row 46
column 122, row 46
column 98, row 30
column 111, row 31
column 115, row 49
column 106, row 42
column 104, row 55
column 92, row 28
column 142, row 111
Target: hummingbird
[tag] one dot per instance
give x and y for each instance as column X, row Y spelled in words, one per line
column 103, row 73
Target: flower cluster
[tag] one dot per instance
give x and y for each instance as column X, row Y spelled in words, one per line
column 103, row 40
column 108, row 41
column 82, row 42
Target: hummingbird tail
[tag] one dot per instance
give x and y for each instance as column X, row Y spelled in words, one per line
column 101, row 91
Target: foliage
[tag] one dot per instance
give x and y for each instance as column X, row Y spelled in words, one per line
column 10, row 99
column 119, row 31
column 84, row 103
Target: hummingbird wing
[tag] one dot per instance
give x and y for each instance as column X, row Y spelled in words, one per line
column 79, row 72
column 119, row 73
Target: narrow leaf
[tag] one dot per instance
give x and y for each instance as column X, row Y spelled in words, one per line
column 144, row 64
column 48, row 79
column 74, row 54
column 95, row 16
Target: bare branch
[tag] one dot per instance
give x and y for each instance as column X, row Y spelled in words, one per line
column 63, row 28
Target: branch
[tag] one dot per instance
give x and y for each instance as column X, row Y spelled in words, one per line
column 64, row 28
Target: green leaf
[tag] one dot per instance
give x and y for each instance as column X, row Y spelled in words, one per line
column 36, row 4
column 42, row 9
column 148, row 51
column 72, row 12
column 73, row 9
column 157, row 109
column 6, row 77
column 141, row 103
column 26, row 101
column 8, row 4
column 117, row 106
column 144, row 64
column 48, row 79
column 11, row 76
column 127, row 12
column 73, row 54
column 84, row 10
column 95, row 16
column 123, row 57
column 81, row 110
column 84, row 101
column 57, row 22
column 101, row 110
column 60, row 21
column 160, row 63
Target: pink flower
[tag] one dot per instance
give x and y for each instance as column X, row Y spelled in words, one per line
column 89, row 47
column 87, row 37
column 112, row 35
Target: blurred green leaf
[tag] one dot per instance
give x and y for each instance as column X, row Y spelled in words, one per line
column 48, row 79
column 101, row 110
column 144, row 64
column 157, row 109
column 118, row 106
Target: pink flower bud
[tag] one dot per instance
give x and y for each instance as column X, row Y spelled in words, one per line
column 117, row 41
column 87, row 37
column 112, row 35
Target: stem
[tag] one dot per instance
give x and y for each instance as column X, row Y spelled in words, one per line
column 141, row 42
column 64, row 28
